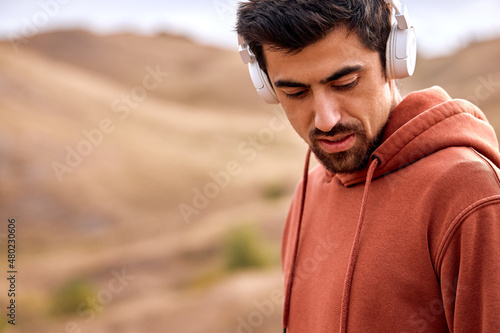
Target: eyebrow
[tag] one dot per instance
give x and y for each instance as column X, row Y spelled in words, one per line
column 334, row 77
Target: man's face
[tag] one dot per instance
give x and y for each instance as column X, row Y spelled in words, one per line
column 336, row 97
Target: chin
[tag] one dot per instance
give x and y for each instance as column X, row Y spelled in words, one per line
column 343, row 162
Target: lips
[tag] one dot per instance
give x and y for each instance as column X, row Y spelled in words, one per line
column 337, row 144
column 339, row 138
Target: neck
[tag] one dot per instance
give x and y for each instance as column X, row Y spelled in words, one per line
column 395, row 93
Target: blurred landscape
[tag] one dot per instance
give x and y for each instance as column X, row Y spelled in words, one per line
column 150, row 184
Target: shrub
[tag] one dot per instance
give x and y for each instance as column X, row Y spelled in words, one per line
column 3, row 323
column 274, row 191
column 71, row 295
column 244, row 248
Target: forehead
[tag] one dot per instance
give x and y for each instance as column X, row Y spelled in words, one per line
column 338, row 49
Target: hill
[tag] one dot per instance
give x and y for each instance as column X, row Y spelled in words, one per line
column 198, row 75
column 130, row 162
column 96, row 165
column 472, row 74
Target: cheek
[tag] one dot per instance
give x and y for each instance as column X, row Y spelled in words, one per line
column 300, row 120
column 381, row 106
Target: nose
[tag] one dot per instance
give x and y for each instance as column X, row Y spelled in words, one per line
column 327, row 114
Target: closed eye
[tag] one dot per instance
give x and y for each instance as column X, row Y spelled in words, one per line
column 348, row 86
column 296, row 95
column 303, row 92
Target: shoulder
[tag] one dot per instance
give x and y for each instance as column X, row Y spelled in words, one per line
column 446, row 190
column 464, row 170
column 467, row 194
column 458, row 179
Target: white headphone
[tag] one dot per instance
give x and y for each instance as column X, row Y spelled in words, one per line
column 401, row 54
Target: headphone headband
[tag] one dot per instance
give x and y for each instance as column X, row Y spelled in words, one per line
column 246, row 55
column 402, row 15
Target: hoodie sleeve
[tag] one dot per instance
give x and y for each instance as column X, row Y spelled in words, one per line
column 470, row 270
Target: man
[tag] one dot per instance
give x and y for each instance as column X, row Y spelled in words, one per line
column 398, row 228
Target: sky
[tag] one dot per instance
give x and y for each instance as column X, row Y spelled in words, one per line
column 443, row 26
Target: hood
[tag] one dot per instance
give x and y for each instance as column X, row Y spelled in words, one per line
column 423, row 123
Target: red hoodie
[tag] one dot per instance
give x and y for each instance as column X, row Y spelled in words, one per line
column 412, row 243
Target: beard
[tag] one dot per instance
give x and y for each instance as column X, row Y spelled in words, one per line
column 349, row 161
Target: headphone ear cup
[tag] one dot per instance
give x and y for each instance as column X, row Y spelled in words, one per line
column 401, row 54
column 262, row 84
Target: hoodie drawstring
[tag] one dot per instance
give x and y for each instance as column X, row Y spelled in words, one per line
column 288, row 292
column 355, row 249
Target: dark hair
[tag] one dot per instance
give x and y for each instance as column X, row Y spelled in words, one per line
column 292, row 25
